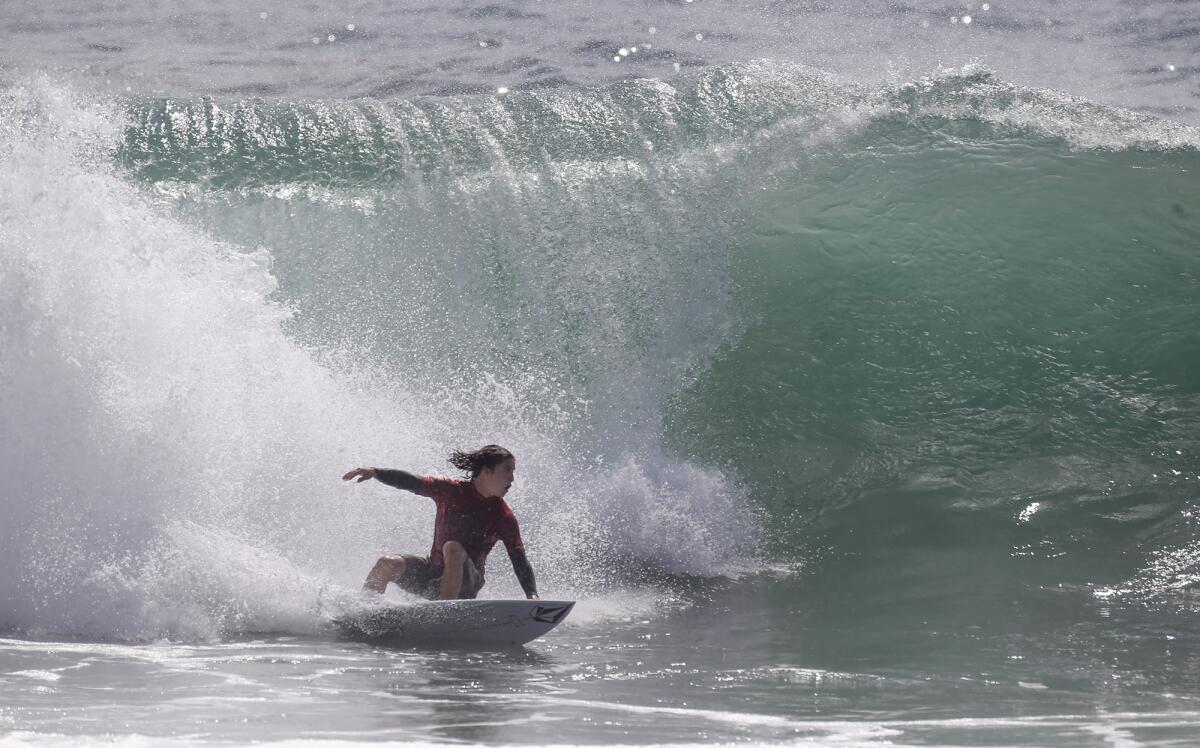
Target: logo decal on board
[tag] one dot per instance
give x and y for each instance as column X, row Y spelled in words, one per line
column 550, row 613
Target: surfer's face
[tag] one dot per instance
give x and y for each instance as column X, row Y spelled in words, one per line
column 495, row 481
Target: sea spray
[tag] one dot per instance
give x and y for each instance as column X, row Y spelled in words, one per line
column 177, row 436
column 136, row 350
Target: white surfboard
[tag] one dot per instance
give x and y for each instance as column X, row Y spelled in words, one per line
column 488, row 622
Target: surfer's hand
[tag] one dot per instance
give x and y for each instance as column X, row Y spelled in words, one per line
column 532, row 597
column 361, row 473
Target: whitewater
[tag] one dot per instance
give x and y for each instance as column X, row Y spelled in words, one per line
column 848, row 354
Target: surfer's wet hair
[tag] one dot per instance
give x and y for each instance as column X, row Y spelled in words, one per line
column 485, row 457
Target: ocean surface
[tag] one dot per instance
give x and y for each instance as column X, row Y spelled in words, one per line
column 850, row 353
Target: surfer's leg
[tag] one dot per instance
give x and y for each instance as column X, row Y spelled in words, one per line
column 472, row 581
column 453, row 555
column 386, row 569
column 417, row 578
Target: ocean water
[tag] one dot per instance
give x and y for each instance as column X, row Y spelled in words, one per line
column 849, row 352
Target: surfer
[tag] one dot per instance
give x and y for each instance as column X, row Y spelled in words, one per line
column 471, row 516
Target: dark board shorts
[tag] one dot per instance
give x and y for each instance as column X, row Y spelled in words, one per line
column 421, row 579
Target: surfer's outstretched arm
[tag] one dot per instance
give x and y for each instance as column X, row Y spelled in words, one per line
column 394, row 478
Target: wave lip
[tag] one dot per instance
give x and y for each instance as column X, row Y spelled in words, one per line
column 975, row 93
column 258, row 142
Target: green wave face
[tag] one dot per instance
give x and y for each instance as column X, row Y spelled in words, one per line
column 950, row 323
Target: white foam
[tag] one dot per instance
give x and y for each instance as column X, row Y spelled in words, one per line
column 45, row 675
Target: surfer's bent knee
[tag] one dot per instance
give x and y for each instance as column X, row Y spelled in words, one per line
column 391, row 566
column 386, row 569
column 453, row 551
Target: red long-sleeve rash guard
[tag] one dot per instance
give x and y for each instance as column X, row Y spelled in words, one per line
column 474, row 520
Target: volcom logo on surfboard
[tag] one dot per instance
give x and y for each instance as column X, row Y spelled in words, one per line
column 550, row 613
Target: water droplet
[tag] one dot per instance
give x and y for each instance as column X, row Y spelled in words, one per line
column 924, row 24
column 316, row 40
column 967, row 20
column 502, row 90
column 633, row 50
column 263, row 15
column 616, row 58
column 623, row 51
column 1172, row 69
column 653, row 30
column 985, row 6
column 676, row 65
column 349, row 27
column 699, row 37
column 331, row 38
